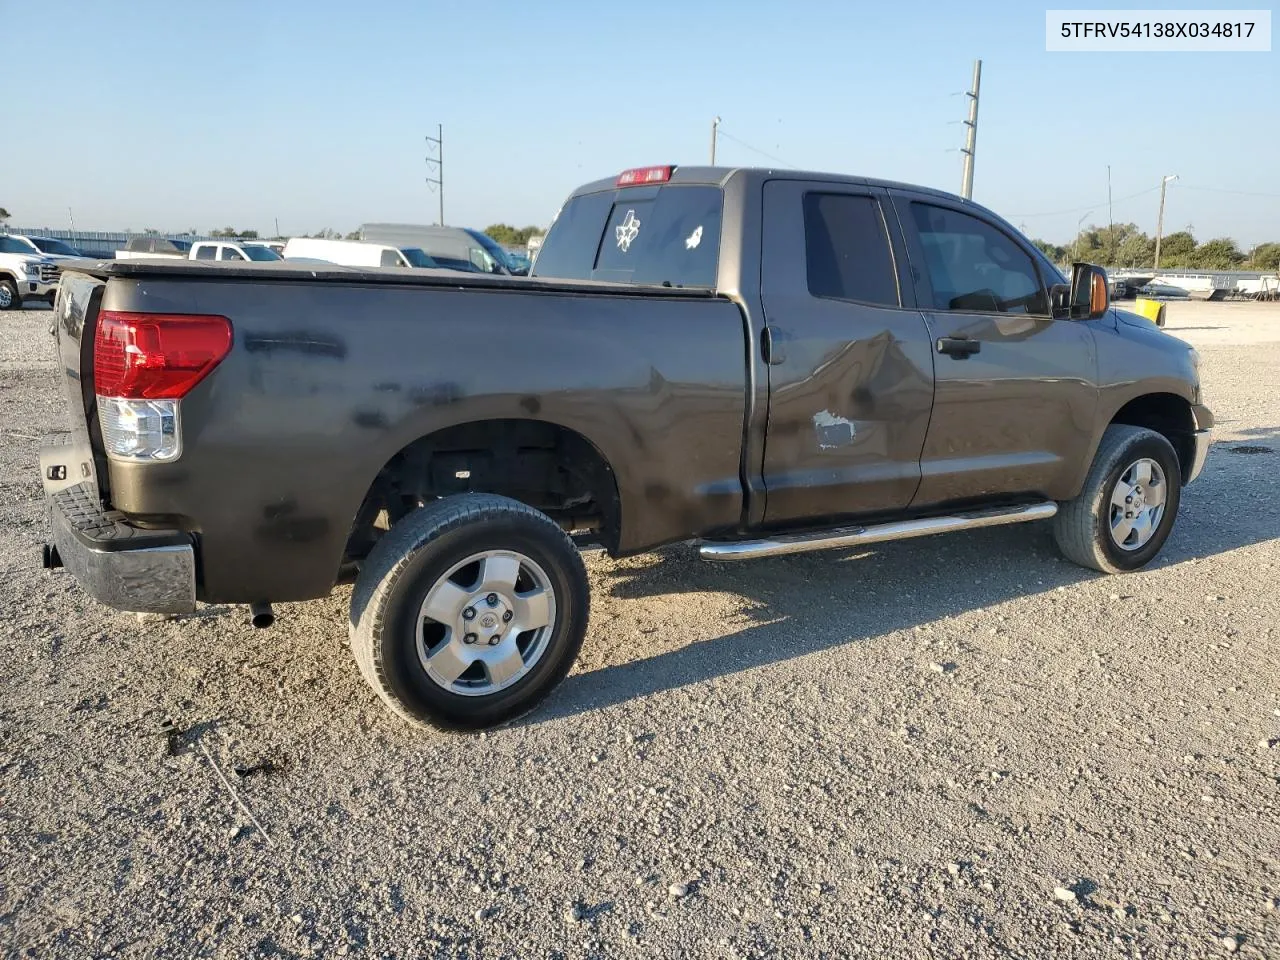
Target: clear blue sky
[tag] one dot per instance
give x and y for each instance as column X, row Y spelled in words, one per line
column 177, row 115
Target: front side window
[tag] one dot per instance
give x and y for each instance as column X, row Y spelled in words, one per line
column 391, row 258
column 231, row 253
column 974, row 267
column 206, row 252
column 847, row 251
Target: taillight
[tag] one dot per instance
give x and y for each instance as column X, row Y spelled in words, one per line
column 143, row 365
column 153, row 356
column 643, row 175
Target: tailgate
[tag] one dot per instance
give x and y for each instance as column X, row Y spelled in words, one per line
column 69, row 459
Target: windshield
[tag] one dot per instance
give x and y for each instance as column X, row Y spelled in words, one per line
column 417, row 258
column 494, row 249
column 14, row 245
column 260, row 253
column 50, row 245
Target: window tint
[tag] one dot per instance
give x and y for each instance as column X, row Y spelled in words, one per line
column 673, row 238
column 569, row 250
column 206, row 252
column 847, row 249
column 973, row 266
column 230, row 253
column 665, row 235
column 391, row 258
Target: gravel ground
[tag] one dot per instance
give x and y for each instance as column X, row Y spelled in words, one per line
column 961, row 746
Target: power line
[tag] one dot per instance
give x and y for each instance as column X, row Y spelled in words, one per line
column 1086, row 207
column 742, row 143
column 1240, row 193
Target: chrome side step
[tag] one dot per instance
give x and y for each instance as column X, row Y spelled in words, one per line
column 876, row 533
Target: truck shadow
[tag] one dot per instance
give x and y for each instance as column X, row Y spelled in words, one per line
column 809, row 603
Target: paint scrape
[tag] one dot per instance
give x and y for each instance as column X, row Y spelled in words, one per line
column 833, row 431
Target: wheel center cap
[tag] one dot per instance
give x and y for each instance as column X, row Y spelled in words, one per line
column 488, row 621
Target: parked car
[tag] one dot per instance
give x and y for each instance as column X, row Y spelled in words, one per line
column 231, row 250
column 468, row 250
column 151, row 247
column 356, row 253
column 25, row 273
column 766, row 362
column 51, row 247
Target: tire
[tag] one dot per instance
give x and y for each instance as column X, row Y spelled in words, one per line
column 408, row 657
column 1084, row 526
column 9, row 297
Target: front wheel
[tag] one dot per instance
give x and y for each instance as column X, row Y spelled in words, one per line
column 9, row 298
column 469, row 611
column 1126, row 509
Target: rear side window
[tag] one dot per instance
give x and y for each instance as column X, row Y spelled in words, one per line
column 975, row 267
column 206, row 252
column 847, row 251
column 666, row 236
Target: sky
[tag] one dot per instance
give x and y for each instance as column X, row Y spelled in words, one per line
column 314, row 113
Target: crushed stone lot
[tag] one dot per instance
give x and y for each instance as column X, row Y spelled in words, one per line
column 958, row 746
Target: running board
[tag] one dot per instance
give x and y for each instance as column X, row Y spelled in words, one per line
column 876, row 533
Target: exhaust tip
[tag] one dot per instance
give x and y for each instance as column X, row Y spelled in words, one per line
column 261, row 615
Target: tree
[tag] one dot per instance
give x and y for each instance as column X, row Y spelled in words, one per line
column 509, row 236
column 1051, row 250
column 4, row 214
column 1176, row 249
column 1266, row 256
column 353, row 235
column 1136, row 250
column 1218, row 254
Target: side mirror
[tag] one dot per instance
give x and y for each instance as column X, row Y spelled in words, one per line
column 1087, row 298
column 1090, row 292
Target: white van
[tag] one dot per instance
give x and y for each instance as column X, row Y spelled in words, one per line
column 355, row 253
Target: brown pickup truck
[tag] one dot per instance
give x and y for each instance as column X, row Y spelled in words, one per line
column 763, row 361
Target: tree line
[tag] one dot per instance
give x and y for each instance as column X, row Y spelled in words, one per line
column 1124, row 245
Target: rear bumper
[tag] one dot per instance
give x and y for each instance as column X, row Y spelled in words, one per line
column 126, row 567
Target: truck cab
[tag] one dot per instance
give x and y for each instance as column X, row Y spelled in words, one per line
column 233, row 251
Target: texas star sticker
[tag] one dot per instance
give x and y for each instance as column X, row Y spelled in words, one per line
column 627, row 230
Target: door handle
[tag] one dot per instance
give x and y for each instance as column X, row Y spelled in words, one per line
column 959, row 347
column 771, row 349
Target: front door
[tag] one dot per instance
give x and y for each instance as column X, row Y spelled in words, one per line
column 850, row 370
column 1014, row 391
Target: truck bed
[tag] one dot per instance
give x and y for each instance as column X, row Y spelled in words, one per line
column 151, row 265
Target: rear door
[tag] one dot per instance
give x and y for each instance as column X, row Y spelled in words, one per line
column 1015, row 391
column 849, row 357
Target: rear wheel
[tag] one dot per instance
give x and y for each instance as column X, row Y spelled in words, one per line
column 469, row 611
column 1127, row 507
column 9, row 299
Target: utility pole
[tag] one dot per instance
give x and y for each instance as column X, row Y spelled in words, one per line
column 1111, row 221
column 715, row 133
column 436, row 164
column 971, row 135
column 1160, row 217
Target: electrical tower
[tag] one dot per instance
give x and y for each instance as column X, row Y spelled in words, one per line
column 971, row 135
column 436, row 165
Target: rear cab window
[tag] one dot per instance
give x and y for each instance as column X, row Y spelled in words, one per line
column 664, row 235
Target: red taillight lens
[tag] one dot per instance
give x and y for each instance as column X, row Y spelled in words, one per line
column 642, row 175
column 156, row 356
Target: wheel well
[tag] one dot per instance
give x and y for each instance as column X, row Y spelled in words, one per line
column 547, row 466
column 1167, row 414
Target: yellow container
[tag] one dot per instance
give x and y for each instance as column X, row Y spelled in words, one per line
column 1153, row 310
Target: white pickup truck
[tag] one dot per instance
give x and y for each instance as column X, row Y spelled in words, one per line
column 236, row 250
column 25, row 274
